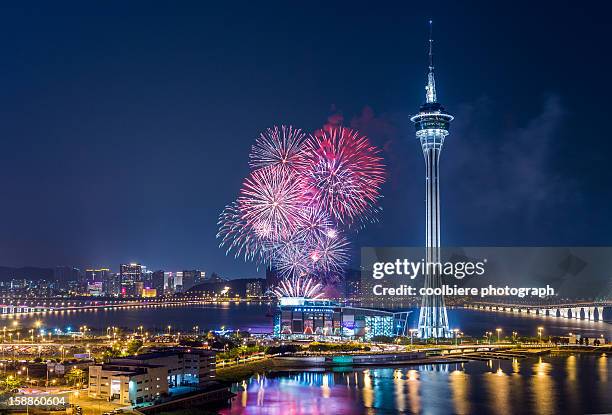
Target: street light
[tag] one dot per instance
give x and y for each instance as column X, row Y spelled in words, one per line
column 456, row 331
column 498, row 330
column 514, row 334
column 48, row 370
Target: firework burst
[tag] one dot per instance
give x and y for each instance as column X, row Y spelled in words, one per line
column 330, row 255
column 236, row 236
column 279, row 147
column 270, row 203
column 296, row 204
column 300, row 286
column 345, row 173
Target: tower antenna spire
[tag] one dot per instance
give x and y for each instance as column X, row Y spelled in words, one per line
column 431, row 64
column 430, row 95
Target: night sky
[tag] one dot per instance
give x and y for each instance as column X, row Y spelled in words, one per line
column 126, row 126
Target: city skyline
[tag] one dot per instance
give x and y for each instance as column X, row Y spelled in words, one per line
column 115, row 157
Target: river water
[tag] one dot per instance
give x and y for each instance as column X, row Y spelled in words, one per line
column 568, row 384
column 255, row 317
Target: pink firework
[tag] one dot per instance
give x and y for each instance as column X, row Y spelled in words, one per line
column 315, row 223
column 330, row 255
column 270, row 203
column 279, row 147
column 344, row 173
column 320, row 254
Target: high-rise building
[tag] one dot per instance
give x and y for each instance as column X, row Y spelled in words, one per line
column 129, row 275
column 191, row 278
column 158, row 282
column 168, row 283
column 271, row 278
column 432, row 123
column 102, row 276
column 178, row 281
column 66, row 277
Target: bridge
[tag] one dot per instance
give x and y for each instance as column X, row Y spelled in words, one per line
column 10, row 307
column 581, row 310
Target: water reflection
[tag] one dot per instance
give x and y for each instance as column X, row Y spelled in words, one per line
column 497, row 386
column 459, row 381
column 576, row 384
column 543, row 388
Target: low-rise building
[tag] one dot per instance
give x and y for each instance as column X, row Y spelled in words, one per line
column 142, row 378
column 128, row 384
column 185, row 366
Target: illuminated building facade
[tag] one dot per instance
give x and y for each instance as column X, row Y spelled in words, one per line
column 298, row 317
column 432, row 123
column 130, row 274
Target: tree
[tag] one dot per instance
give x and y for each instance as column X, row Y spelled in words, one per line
column 133, row 346
column 9, row 383
column 74, row 375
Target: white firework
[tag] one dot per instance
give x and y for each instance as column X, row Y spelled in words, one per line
column 300, row 286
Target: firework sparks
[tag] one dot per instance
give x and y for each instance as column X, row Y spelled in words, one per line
column 295, row 205
column 270, row 202
column 300, row 286
column 345, row 175
column 236, row 236
column 279, row 147
column 330, row 255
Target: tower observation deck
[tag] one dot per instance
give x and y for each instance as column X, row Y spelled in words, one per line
column 432, row 124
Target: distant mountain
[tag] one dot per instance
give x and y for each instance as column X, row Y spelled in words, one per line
column 30, row 273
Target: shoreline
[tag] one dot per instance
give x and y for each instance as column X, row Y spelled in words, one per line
column 271, row 365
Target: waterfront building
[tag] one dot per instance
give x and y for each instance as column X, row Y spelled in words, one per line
column 102, row 276
column 185, row 366
column 432, row 124
column 66, row 277
column 298, row 317
column 142, row 378
column 178, row 282
column 138, row 288
column 168, row 283
column 126, row 383
column 129, row 275
column 242, row 287
column 192, row 278
column 254, row 288
column 158, row 282
column 271, row 278
column 149, row 292
column 95, row 289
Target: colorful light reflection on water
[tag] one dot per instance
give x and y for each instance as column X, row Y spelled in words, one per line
column 547, row 385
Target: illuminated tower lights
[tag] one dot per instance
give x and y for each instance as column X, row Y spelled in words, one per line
column 432, row 123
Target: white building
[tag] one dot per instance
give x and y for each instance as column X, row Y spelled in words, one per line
column 127, row 384
column 142, row 378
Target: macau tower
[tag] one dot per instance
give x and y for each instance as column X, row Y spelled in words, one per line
column 432, row 123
